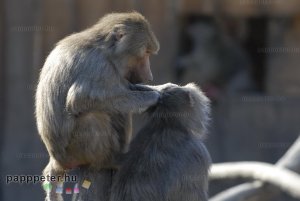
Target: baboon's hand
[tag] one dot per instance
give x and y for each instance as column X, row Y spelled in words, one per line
column 152, row 99
column 167, row 85
column 140, row 87
column 161, row 87
column 133, row 101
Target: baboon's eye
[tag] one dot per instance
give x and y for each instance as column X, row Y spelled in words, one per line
column 119, row 36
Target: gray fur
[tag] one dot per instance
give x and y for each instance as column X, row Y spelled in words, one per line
column 84, row 100
column 167, row 161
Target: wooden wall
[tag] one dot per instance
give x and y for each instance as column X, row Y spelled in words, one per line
column 2, row 81
column 241, row 8
column 30, row 29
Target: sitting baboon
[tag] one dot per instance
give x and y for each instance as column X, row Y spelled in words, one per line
column 167, row 160
column 86, row 93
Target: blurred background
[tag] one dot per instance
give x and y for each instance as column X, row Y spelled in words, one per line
column 245, row 55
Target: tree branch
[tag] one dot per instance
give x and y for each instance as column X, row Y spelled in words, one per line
column 250, row 191
column 286, row 180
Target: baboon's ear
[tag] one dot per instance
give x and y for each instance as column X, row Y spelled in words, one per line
column 118, row 31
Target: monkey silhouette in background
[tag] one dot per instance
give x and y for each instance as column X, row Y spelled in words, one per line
column 86, row 93
column 216, row 62
column 167, row 160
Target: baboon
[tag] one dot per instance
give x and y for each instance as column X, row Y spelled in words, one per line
column 167, row 160
column 86, row 92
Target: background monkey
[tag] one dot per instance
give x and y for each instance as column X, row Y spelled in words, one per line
column 85, row 93
column 167, row 160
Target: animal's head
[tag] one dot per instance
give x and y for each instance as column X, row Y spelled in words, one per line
column 128, row 40
column 183, row 104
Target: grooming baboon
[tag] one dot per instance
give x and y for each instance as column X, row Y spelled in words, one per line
column 86, row 92
column 167, row 160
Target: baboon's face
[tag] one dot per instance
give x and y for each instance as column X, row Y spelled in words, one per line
column 138, row 69
column 133, row 43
